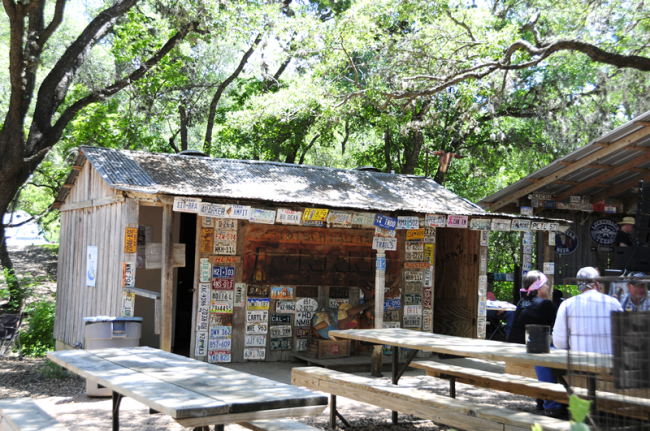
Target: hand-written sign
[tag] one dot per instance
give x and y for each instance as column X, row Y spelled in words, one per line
column 254, row 354
column 281, row 292
column 520, row 225
column 240, row 294
column 280, row 331
column 238, row 211
column 262, row 216
column 128, row 274
column 379, row 243
column 302, row 331
column 205, row 271
column 258, row 303
column 223, row 283
column 207, row 209
column 285, row 307
column 303, row 318
column 207, row 240
column 257, row 316
column 225, row 235
column 128, row 304
column 257, row 291
column 315, row 214
column 363, row 219
column 220, row 319
column 427, row 297
column 479, row 224
column 257, row 328
column 201, row 343
column 385, row 222
column 217, row 356
column 280, row 343
column 130, row 240
column 306, row 304
column 280, row 319
column 223, row 272
column 285, row 216
column 434, row 220
column 225, row 248
column 457, row 221
column 220, row 343
column 339, row 292
column 413, row 234
column 220, row 331
column 408, row 222
column 255, row 341
column 186, row 205
column 500, row 225
column 413, row 276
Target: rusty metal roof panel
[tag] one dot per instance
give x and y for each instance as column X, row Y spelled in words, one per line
column 276, row 182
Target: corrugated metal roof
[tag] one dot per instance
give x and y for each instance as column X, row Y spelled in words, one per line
column 172, row 174
column 612, row 160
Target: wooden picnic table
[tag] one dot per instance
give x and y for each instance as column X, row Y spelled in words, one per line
column 192, row 392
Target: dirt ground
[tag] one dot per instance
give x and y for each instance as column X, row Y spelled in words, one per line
column 63, row 395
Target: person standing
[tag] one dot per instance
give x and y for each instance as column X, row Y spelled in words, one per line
column 584, row 322
column 637, row 298
column 624, row 234
column 535, row 308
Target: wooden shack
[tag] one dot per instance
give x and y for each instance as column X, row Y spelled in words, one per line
column 595, row 187
column 228, row 260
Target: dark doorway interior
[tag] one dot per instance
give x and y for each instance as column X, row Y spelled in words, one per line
column 185, row 287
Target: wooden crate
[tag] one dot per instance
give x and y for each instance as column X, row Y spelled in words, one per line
column 328, row 349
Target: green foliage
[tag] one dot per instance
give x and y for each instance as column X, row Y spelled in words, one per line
column 579, row 408
column 39, row 337
column 15, row 290
column 50, row 370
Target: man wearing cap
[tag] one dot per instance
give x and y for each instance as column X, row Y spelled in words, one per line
column 637, row 297
column 624, row 234
column 583, row 322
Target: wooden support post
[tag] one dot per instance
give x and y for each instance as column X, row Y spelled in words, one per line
column 167, row 278
column 377, row 358
column 333, row 411
column 549, row 256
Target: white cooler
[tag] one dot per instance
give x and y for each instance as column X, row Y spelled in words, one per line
column 102, row 332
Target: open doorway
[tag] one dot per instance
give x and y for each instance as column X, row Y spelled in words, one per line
column 185, row 286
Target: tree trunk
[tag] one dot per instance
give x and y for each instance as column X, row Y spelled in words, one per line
column 181, row 110
column 417, row 140
column 387, row 140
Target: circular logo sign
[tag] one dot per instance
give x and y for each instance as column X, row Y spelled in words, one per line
column 604, row 231
column 565, row 242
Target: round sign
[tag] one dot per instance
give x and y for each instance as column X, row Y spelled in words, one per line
column 565, row 242
column 604, row 231
column 307, row 304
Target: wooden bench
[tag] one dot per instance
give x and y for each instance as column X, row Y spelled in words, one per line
column 440, row 409
column 517, row 384
column 277, row 425
column 22, row 414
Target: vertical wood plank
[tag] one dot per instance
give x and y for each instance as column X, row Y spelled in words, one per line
column 167, row 278
column 549, row 256
column 195, row 286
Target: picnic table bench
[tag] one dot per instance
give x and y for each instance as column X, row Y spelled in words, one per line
column 22, row 414
column 440, row 409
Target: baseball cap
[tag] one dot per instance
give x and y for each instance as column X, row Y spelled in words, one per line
column 588, row 273
column 635, row 275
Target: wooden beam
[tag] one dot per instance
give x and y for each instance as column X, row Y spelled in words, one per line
column 92, row 203
column 620, row 188
column 167, row 278
column 642, row 123
column 604, row 176
column 573, row 167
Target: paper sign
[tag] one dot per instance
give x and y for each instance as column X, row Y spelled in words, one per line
column 262, row 216
column 314, row 214
column 186, row 205
column 551, row 239
column 379, row 243
column 408, row 222
column 128, row 274
column 128, row 304
column 457, row 221
column 285, row 216
column 91, row 265
column 434, row 220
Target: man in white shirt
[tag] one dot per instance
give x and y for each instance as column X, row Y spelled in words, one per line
column 584, row 322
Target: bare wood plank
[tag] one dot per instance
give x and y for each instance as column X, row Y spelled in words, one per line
column 276, row 425
column 167, row 278
column 90, row 203
column 474, row 348
column 154, row 255
column 630, row 139
column 22, row 414
column 142, row 292
column 620, row 188
column 450, row 411
column 164, row 397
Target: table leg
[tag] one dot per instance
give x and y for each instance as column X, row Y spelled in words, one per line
column 117, row 399
column 452, row 387
column 591, row 392
column 395, row 377
column 332, row 411
column 218, row 427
